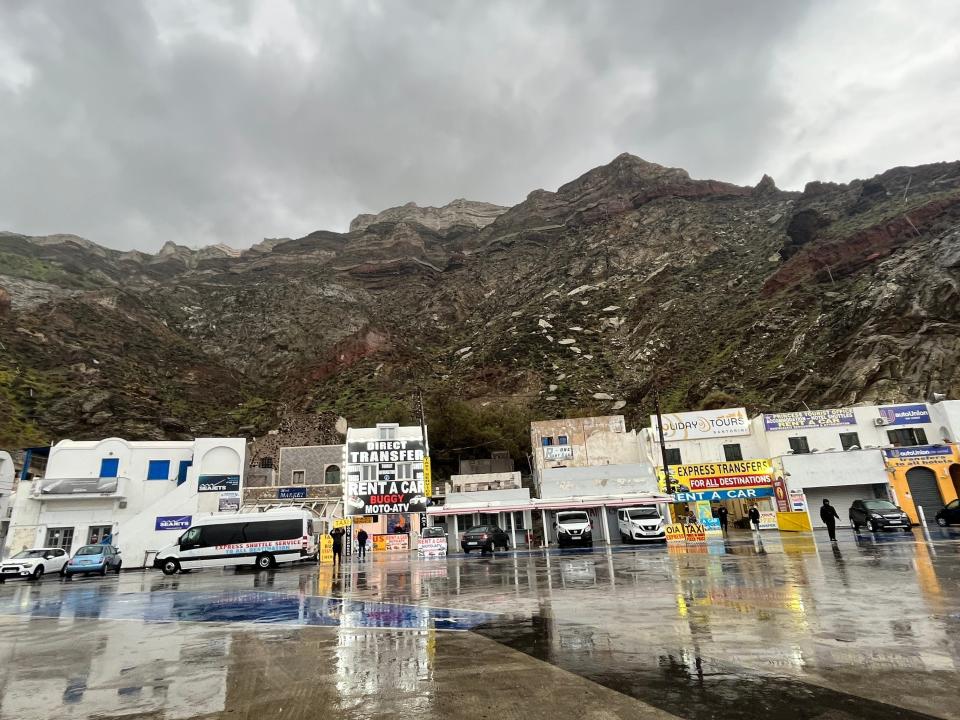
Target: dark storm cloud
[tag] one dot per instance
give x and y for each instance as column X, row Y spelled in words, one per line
column 135, row 123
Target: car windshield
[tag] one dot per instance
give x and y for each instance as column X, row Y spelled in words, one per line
column 433, row 532
column 26, row 554
column 643, row 513
column 91, row 550
column 880, row 505
column 481, row 529
column 572, row 517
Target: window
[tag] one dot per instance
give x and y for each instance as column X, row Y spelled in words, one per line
column 849, row 440
column 182, row 471
column 368, row 473
column 272, row 530
column 266, row 463
column 799, row 445
column 732, row 452
column 404, row 471
column 60, row 537
column 97, row 533
column 673, row 456
column 298, row 477
column 109, row 467
column 518, row 519
column 563, row 440
column 907, row 437
column 332, row 475
column 158, row 470
column 190, row 538
column 387, row 433
column 547, row 441
column 222, row 534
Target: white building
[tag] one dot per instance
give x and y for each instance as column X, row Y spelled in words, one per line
column 141, row 493
column 7, row 472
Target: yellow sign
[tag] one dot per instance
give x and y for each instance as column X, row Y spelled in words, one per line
column 695, row 533
column 674, row 533
column 326, row 550
column 342, row 522
column 427, row 477
column 733, row 468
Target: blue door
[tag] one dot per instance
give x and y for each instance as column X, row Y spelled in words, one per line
column 182, row 472
column 109, row 467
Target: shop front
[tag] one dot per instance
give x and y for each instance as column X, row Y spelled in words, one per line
column 734, row 485
column 926, row 476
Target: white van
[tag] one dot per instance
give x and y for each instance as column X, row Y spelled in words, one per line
column 573, row 526
column 261, row 539
column 640, row 523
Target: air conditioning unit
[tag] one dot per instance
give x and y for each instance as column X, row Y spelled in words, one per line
column 122, row 504
column 880, row 421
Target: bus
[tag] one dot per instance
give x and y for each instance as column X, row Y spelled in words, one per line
column 261, row 539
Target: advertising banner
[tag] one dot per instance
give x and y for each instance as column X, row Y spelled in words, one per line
column 798, row 501
column 218, row 483
column 173, row 522
column 694, row 533
column 326, row 550
column 720, row 475
column 780, row 493
column 388, row 493
column 927, row 455
column 77, row 486
column 703, row 424
column 229, row 502
column 768, row 520
column 674, row 533
column 432, row 546
column 705, row 517
column 291, row 493
column 905, row 414
column 386, row 543
column 342, row 522
column 720, row 495
column 920, row 451
column 809, row 419
column 427, row 477
column 558, row 452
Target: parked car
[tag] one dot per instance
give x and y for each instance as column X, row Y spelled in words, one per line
column 94, row 559
column 640, row 523
column 573, row 527
column 485, row 538
column 949, row 515
column 878, row 515
column 33, row 563
column 435, row 531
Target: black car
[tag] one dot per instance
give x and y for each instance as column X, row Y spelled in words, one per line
column 878, row 515
column 950, row 515
column 484, row 538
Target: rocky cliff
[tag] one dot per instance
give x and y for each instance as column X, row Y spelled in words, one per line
column 631, row 277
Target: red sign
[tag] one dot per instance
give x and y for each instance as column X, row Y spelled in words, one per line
column 780, row 492
column 721, row 483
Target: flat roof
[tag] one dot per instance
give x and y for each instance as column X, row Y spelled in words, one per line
column 552, row 504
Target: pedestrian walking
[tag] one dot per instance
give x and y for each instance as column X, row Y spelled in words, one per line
column 754, row 517
column 722, row 517
column 828, row 513
column 337, row 535
column 362, row 544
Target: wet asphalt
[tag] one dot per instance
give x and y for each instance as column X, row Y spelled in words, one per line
column 779, row 626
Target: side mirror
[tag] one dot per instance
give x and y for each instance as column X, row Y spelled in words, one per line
column 118, row 551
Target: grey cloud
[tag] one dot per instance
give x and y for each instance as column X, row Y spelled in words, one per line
column 145, row 122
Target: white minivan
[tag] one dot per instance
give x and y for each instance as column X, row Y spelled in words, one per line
column 641, row 523
column 261, row 539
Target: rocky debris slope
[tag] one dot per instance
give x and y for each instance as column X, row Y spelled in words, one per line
column 631, row 277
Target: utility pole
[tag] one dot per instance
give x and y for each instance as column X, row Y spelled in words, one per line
column 423, row 423
column 663, row 446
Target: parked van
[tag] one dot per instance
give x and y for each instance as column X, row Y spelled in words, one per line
column 261, row 539
column 641, row 523
column 573, row 526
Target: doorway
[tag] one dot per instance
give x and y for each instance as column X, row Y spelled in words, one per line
column 924, row 489
column 955, row 476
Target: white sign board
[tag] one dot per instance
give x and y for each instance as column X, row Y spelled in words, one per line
column 703, row 424
column 432, row 546
column 558, row 452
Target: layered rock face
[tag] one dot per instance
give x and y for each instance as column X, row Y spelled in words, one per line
column 631, row 277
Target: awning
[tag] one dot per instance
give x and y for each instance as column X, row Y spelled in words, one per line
column 553, row 504
column 323, row 509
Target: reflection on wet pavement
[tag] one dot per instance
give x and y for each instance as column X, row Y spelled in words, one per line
column 790, row 627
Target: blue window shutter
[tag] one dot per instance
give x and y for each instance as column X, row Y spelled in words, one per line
column 109, row 467
column 158, row 470
column 182, row 471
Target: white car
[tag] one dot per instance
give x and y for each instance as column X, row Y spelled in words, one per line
column 640, row 523
column 573, row 526
column 34, row 563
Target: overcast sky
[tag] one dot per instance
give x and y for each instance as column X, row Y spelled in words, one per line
column 132, row 123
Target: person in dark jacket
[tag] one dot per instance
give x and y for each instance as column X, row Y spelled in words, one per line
column 337, row 535
column 362, row 543
column 722, row 517
column 754, row 515
column 828, row 513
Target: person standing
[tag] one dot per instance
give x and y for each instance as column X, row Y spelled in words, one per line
column 828, row 513
column 337, row 535
column 362, row 544
column 754, row 517
column 722, row 517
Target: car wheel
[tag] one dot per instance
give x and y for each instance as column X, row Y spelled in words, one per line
column 103, row 570
column 119, row 564
column 942, row 521
column 467, row 550
column 37, row 573
column 63, row 571
column 170, row 567
column 265, row 561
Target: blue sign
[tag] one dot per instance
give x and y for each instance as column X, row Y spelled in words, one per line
column 718, row 495
column 218, row 483
column 291, row 493
column 173, row 522
column 920, row 451
column 905, row 414
column 809, row 419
